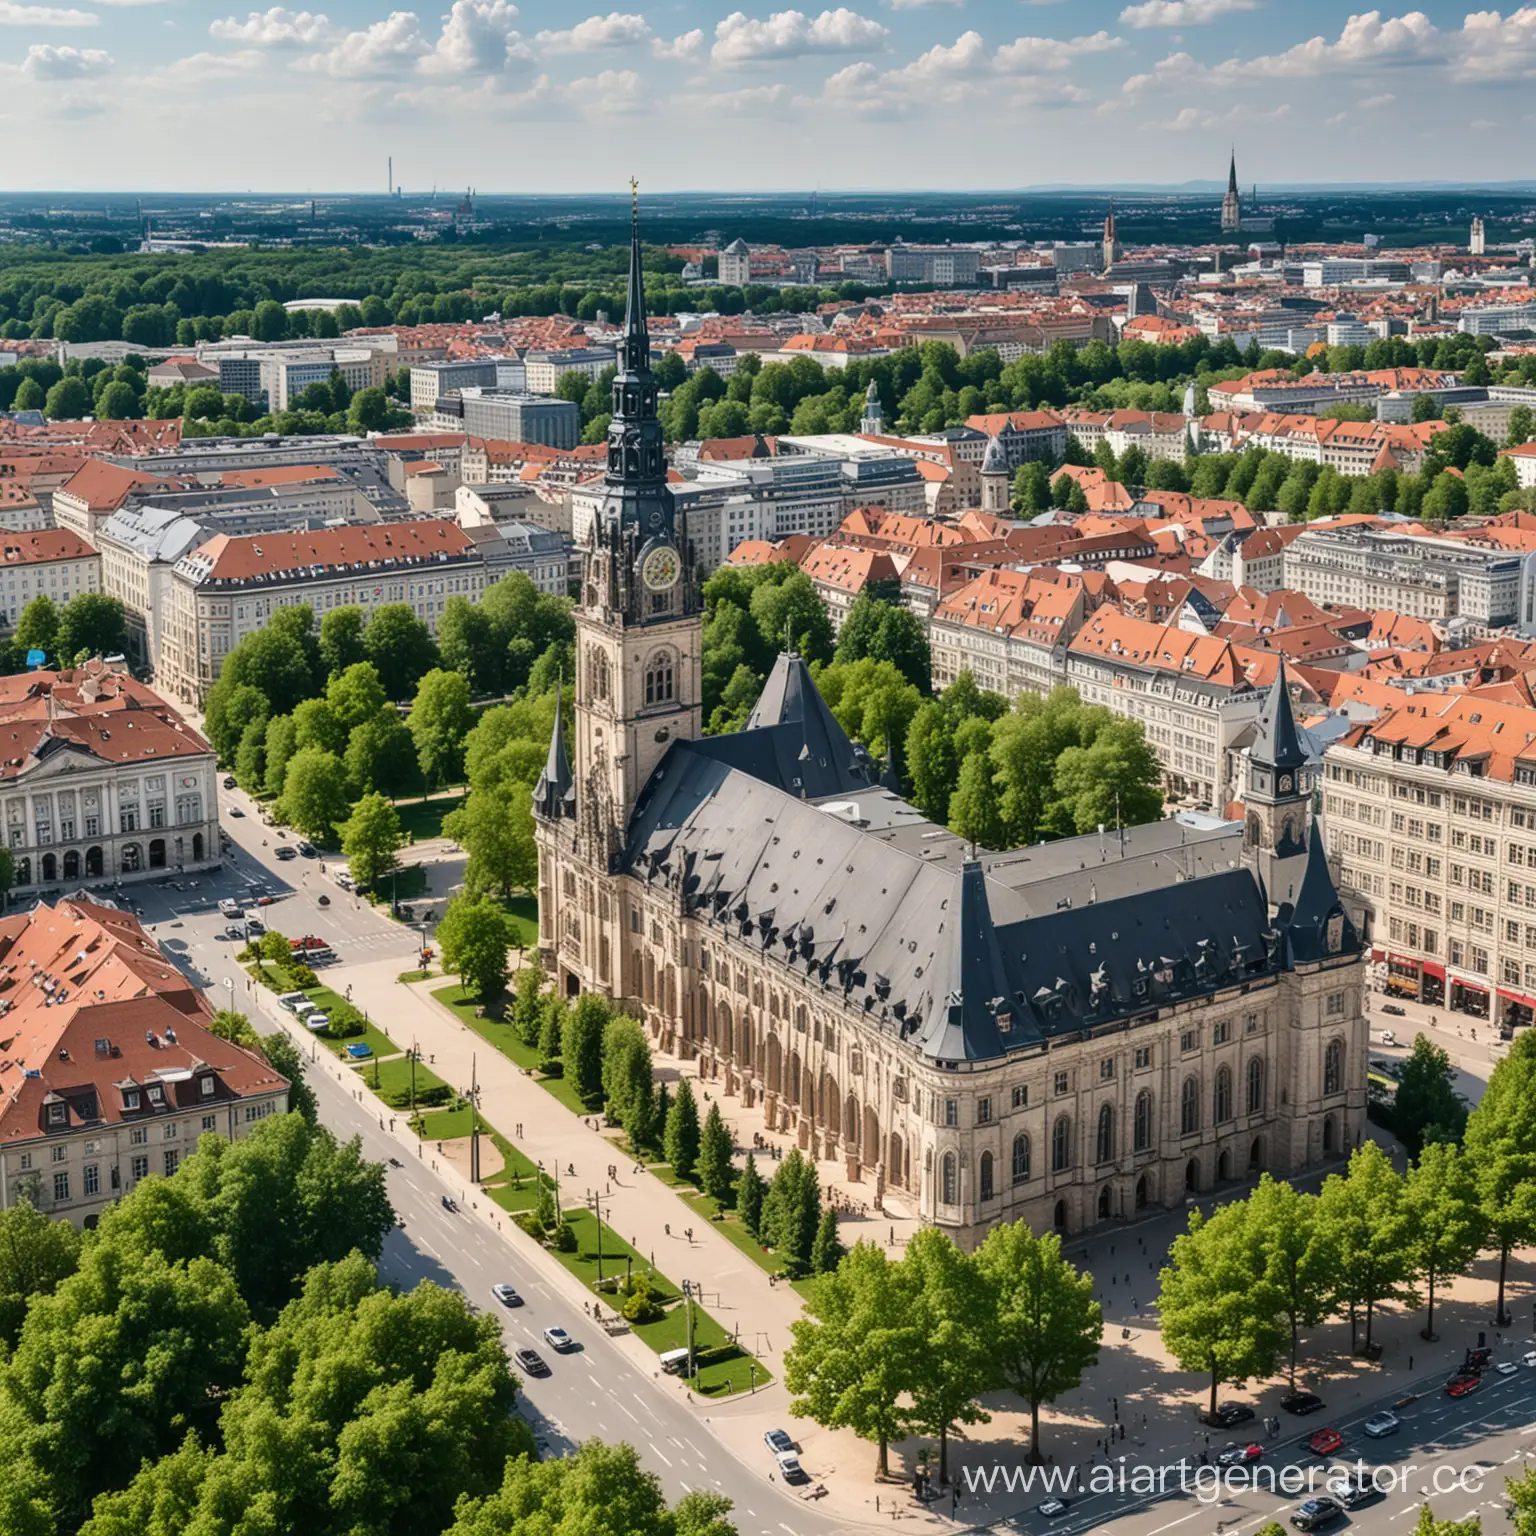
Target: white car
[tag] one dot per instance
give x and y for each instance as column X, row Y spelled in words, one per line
column 1388, row 1038
column 1529, row 1358
column 1381, row 1424
column 558, row 1338
column 1051, row 1508
column 790, row 1469
column 1506, row 1367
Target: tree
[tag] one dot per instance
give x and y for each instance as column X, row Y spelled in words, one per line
column 1362, row 1215
column 7, row 870
column 91, row 624
column 1296, row 1255
column 37, row 1253
column 1501, row 1146
column 750, row 1192
column 1032, row 492
column 314, row 793
column 1446, row 1226
column 551, row 1028
column 682, row 1136
column 527, row 1004
column 341, row 639
column 38, row 627
column 439, row 720
column 827, row 1251
column 370, row 839
column 117, row 402
column 380, row 755
column 581, row 1047
column 231, row 708
column 474, row 939
column 355, row 695
column 1425, row 1107
column 279, row 745
column 1111, row 782
column 68, row 400
column 931, row 763
column 628, row 1078
column 30, row 396
column 400, row 647
column 791, row 1213
column 495, row 828
column 286, row 1059
column 716, row 1149
column 316, row 724
column 1423, row 409
column 858, row 1352
column 251, row 757
column 973, row 810
column 1221, row 1314
column 956, row 1303
column 1522, row 426
column 1045, row 1326
column 469, row 644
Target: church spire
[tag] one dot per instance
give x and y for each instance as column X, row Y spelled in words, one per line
column 1232, row 174
column 554, row 796
column 636, row 343
column 1276, row 744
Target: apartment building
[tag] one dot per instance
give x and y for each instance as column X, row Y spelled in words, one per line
column 840, row 572
column 946, row 266
column 229, row 586
column 1023, row 436
column 102, row 779
column 1432, row 809
column 1009, row 629
column 1191, row 692
column 53, row 562
column 544, row 370
column 1159, row 434
column 112, row 1072
column 431, row 382
column 139, row 548
column 514, row 417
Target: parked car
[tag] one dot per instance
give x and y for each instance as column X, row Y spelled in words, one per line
column 1506, row 1367
column 1463, row 1385
column 790, row 1469
column 229, row 908
column 531, row 1361
column 1312, row 1514
column 235, row 931
column 285, row 852
column 255, row 926
column 1381, row 1424
column 307, row 849
column 234, row 810
column 1239, row 1455
column 1228, row 1414
column 1325, row 1442
column 1051, row 1508
column 558, row 1339
column 1301, row 1402
column 229, row 781
column 506, row 1295
column 1352, row 1489
column 1529, row 1358
column 1394, row 1010
column 778, row 1441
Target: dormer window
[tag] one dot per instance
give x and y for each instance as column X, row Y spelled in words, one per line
column 58, row 1114
column 157, row 1095
column 207, row 1085
column 131, row 1099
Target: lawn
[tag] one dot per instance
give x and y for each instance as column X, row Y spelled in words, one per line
column 724, row 1366
column 501, row 1035
column 583, row 1263
column 523, row 916
column 393, row 1077
column 422, row 819
column 406, row 884
column 372, row 1036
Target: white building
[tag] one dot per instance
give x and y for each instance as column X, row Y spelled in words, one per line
column 53, row 563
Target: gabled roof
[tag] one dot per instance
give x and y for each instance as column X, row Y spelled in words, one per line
column 1275, row 742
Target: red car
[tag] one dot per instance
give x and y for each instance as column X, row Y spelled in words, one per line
column 1325, row 1442
column 1239, row 1455
column 1461, row 1386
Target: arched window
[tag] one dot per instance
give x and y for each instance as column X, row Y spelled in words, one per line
column 947, row 1197
column 986, row 1175
column 1061, row 1144
column 1020, row 1159
column 1256, row 1086
column 1333, row 1067
column 1143, row 1120
column 599, row 675
column 659, row 679
column 1221, row 1101
column 1189, row 1107
column 1106, row 1140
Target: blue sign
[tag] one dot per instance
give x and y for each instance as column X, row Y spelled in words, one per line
column 36, row 658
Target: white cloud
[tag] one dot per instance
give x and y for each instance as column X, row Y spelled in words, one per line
column 1366, row 40
column 688, row 45
column 1042, row 55
column 384, row 48
column 612, row 91
column 42, row 16
column 615, row 30
column 198, row 67
column 478, row 38
column 1201, row 117
column 1372, row 102
column 792, row 34
column 1494, row 46
column 276, row 28
column 752, row 101
column 1182, row 13
column 45, row 62
column 1170, row 71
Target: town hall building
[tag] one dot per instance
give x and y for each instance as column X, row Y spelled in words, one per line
column 1066, row 1033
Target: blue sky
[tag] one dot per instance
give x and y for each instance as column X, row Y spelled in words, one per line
column 554, row 97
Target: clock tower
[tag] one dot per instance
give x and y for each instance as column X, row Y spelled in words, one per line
column 1275, row 819
column 639, row 626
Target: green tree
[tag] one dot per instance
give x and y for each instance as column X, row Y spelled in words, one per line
column 495, row 828
column 628, row 1078
column 857, row 1353
column 551, row 1029
column 285, row 1058
column 1522, row 426
column 30, row 396
column 400, row 647
column 958, row 1318
column 355, row 695
column 341, row 639
column 1364, row 1218
column 1445, row 1224
column 1423, row 409
column 37, row 1253
column 91, row 624
column 68, row 400
column 474, row 939
column 370, row 839
column 279, row 746
column 117, row 402
column 469, row 644
column 315, row 724
column 716, row 1149
column 1501, row 1146
column 750, row 1193
column 1110, row 782
column 527, row 1003
column 439, row 720
column 1045, row 1324
column 1294, row 1249
column 791, row 1213
column 931, row 761
column 1425, row 1107
column 1221, row 1313
column 251, row 757
column 38, row 627
column 381, row 756
column 827, row 1250
column 230, row 709
column 314, row 793
column 581, row 1047
column 974, row 813
column 682, row 1134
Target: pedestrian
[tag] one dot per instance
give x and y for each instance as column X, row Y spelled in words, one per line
column 877, row 1503
column 1115, row 1403
column 1410, row 1362
column 668, row 1229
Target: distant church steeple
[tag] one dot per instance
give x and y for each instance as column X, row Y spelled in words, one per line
column 1232, row 203
column 872, row 424
column 1111, row 238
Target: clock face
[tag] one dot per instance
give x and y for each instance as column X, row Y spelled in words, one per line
column 661, row 568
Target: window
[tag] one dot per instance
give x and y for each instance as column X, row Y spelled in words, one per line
column 140, row 1168
column 60, row 1153
column 210, row 1122
column 1020, row 1096
column 1220, row 1032
column 169, row 1133
column 172, row 1158
column 1020, row 1159
column 208, row 1084
column 92, row 1179
column 1105, row 1149
column 1143, row 1056
column 986, row 1175
column 1061, row 1144
column 1143, row 1126
column 1221, row 1103
column 138, row 1135
column 1335, row 1005
column 1256, row 1086
column 659, row 680
column 1189, row 1107
column 1333, row 1067
column 984, row 1112
column 1253, row 1023
column 60, row 1187
column 1106, row 1069
column 951, row 1112
column 1189, row 1040
column 1061, row 1082
column 948, row 1174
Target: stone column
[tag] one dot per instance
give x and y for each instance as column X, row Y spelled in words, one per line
column 770, row 1109
column 829, row 1147
column 803, row 1133
column 879, row 1185
column 851, row 1165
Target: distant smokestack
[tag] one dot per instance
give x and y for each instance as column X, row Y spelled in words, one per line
column 391, row 175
